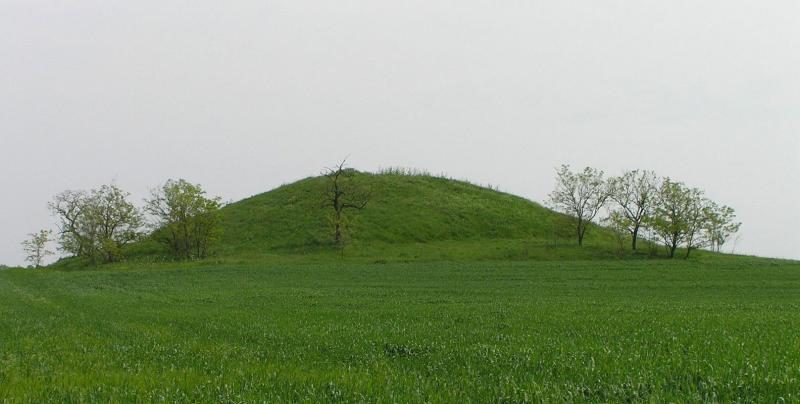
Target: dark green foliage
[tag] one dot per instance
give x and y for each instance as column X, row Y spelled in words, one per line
column 187, row 221
column 711, row 329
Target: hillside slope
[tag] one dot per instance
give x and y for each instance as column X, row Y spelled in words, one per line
column 403, row 210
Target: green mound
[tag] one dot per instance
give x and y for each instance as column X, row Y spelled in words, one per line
column 441, row 218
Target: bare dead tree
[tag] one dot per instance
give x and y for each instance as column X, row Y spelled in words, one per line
column 342, row 193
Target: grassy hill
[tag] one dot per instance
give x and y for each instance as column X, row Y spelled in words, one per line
column 276, row 316
column 409, row 217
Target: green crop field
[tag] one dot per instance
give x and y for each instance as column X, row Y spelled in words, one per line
column 445, row 292
column 715, row 329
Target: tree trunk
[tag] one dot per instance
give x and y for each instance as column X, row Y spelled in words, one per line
column 337, row 227
column 672, row 249
column 635, row 236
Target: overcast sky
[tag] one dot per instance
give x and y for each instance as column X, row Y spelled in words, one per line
column 244, row 95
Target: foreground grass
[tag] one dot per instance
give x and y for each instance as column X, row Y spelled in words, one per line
column 719, row 329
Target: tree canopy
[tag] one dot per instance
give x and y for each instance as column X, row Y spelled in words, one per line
column 185, row 219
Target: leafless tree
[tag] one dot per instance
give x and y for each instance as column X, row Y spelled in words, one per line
column 342, row 193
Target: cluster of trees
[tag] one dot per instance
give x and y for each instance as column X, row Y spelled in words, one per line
column 672, row 213
column 99, row 224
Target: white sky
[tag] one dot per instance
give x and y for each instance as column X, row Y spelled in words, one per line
column 245, row 95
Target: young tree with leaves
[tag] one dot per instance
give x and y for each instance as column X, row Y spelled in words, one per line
column 720, row 225
column 633, row 193
column 186, row 220
column 580, row 195
column 74, row 237
column 35, row 247
column 342, row 194
column 672, row 214
column 697, row 217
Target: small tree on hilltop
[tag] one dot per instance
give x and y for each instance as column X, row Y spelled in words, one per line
column 186, row 221
column 580, row 195
column 341, row 195
column 633, row 194
column 35, row 247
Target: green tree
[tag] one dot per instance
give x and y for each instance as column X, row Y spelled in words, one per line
column 697, row 217
column 674, row 215
column 35, row 247
column 96, row 224
column 186, row 220
column 74, row 236
column 633, row 193
column 720, row 225
column 580, row 195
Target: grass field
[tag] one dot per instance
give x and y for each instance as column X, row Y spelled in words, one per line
column 446, row 292
column 714, row 328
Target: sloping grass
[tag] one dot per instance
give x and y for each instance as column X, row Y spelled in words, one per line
column 409, row 217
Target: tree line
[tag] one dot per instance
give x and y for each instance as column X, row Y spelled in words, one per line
column 98, row 224
column 673, row 213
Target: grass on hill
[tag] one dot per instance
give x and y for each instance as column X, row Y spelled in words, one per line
column 414, row 217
